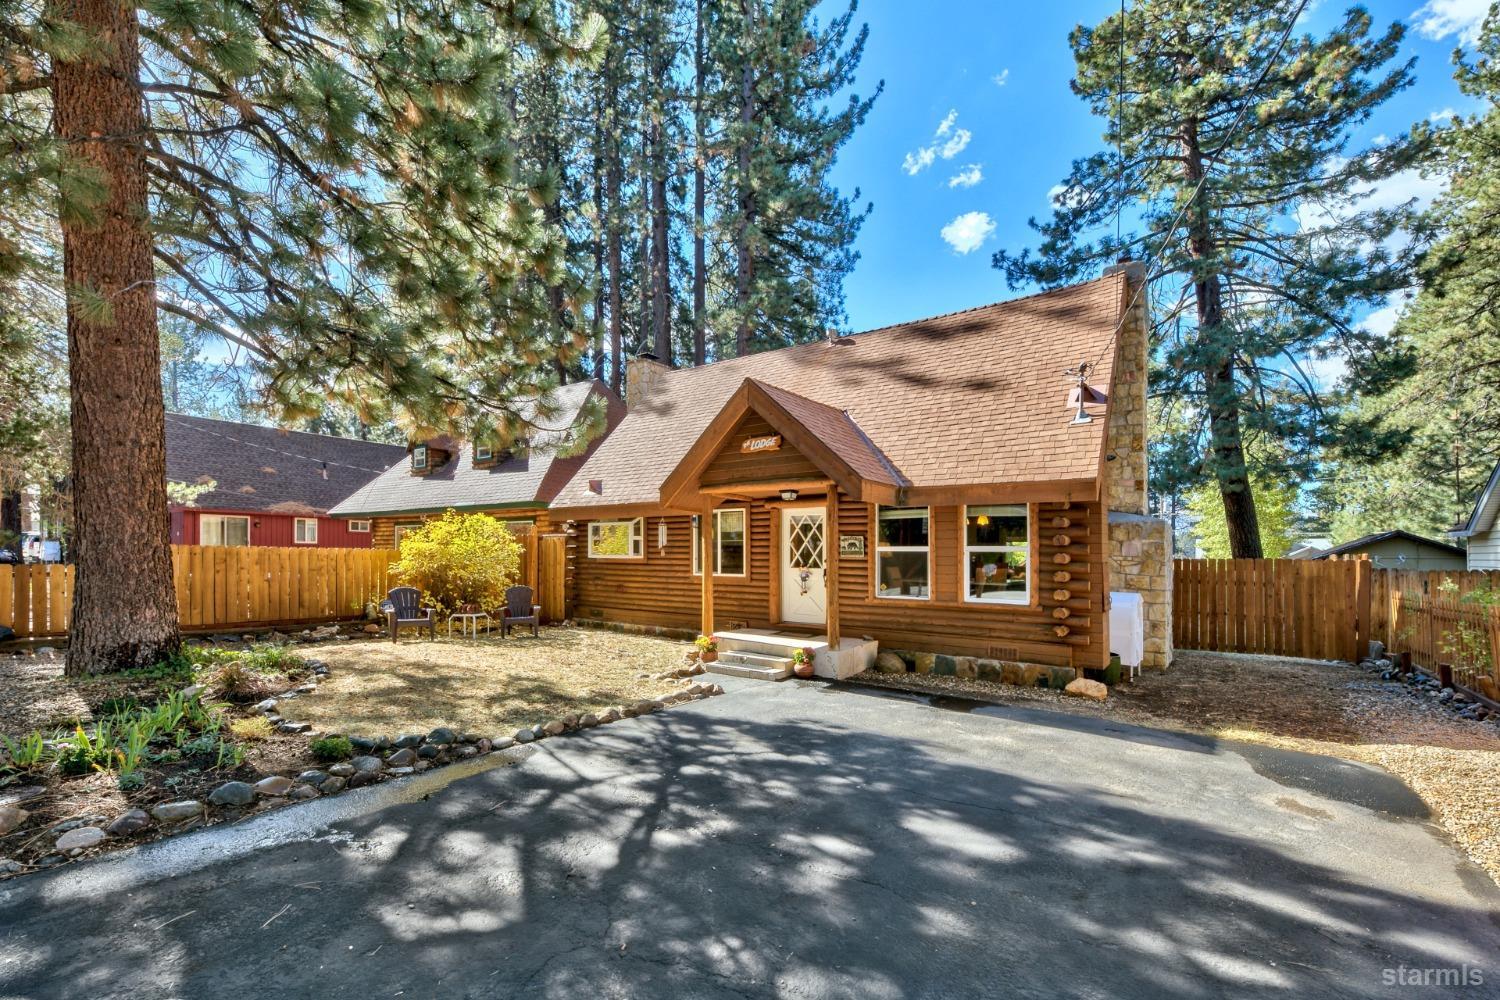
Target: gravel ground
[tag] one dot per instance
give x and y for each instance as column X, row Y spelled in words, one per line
column 1317, row 707
column 489, row 685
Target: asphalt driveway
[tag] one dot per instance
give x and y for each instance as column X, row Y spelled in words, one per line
column 794, row 840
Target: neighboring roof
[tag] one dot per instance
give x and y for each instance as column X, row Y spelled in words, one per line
column 269, row 469
column 1385, row 536
column 968, row 398
column 1486, row 507
column 529, row 480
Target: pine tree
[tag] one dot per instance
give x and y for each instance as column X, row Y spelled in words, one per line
column 330, row 185
column 1232, row 150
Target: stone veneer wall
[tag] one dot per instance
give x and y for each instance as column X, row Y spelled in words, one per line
column 1140, row 546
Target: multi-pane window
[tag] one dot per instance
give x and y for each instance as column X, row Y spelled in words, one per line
column 305, row 531
column 616, row 539
column 729, row 542
column 219, row 529
column 419, row 457
column 996, row 554
column 360, row 527
column 903, row 566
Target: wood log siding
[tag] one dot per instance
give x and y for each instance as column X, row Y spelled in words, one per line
column 731, row 465
column 661, row 590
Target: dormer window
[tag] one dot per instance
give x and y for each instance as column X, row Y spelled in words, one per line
column 419, row 458
column 483, row 453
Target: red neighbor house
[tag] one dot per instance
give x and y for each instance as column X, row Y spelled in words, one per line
column 270, row 486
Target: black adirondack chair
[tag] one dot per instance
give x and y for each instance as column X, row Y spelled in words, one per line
column 519, row 610
column 403, row 606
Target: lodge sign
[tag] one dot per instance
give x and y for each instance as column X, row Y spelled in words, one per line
column 768, row 442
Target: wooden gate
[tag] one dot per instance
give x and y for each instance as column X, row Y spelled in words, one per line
column 552, row 561
column 1316, row 609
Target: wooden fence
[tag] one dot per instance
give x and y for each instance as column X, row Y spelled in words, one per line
column 1331, row 609
column 217, row 587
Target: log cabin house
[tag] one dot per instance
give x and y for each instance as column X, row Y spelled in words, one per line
column 270, row 486
column 928, row 487
column 515, row 483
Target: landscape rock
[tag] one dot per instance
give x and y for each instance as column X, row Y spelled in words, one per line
column 294, row 727
column 313, row 777
column 924, row 662
column 890, row 663
column 502, row 743
column 367, row 764
column 408, row 741
column 589, row 720
column 429, row 751
column 362, row 743
column 718, row 689
column 611, row 715
column 555, row 728
column 16, row 796
column 470, row 737
column 80, row 839
column 966, row 667
column 269, row 705
column 398, row 772
column 11, row 817
column 342, row 769
column 128, row 822
column 442, row 736
column 362, row 778
column 299, row 793
column 402, row 758
column 176, row 812
column 373, row 629
column 276, row 784
column 466, row 751
column 9, row 867
column 524, row 736
column 1082, row 687
column 483, row 745
column 232, row 793
column 332, row 785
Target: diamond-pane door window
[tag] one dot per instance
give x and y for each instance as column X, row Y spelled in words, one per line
column 807, row 541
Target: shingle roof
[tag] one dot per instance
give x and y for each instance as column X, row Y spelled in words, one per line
column 532, row 479
column 836, row 429
column 267, row 468
column 1384, row 536
column 972, row 397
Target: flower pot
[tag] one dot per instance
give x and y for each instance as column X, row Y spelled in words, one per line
column 708, row 655
column 804, row 669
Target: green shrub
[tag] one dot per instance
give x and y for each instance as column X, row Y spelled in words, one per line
column 269, row 658
column 238, row 682
column 85, row 751
column 459, row 559
column 332, row 748
column 28, row 752
column 130, row 781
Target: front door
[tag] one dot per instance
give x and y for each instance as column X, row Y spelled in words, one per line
column 804, row 554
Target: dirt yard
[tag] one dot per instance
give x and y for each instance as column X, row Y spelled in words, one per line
column 1313, row 706
column 487, row 685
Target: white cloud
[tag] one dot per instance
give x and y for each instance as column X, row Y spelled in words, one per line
column 1001, row 78
column 967, row 177
column 947, row 142
column 1398, row 189
column 1440, row 18
column 1445, row 115
column 968, row 232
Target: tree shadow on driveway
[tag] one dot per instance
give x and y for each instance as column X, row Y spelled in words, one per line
column 691, row 854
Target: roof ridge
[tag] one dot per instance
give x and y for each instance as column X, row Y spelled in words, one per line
column 1043, row 293
column 280, row 430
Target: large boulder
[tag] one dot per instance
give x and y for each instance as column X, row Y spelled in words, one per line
column 890, row 663
column 232, row 793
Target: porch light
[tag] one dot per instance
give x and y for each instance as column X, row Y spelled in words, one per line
column 788, row 495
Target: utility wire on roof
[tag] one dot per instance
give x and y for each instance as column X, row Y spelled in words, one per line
column 275, row 451
column 1168, row 239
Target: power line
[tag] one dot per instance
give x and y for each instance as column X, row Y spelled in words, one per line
column 1169, row 235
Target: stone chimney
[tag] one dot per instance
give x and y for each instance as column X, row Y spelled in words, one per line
column 642, row 374
column 1126, row 441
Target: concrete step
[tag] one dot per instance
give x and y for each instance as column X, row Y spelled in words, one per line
column 753, row 665
column 767, row 644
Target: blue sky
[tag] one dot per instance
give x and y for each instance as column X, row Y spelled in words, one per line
column 1015, row 127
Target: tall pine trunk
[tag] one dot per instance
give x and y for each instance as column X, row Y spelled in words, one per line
column 124, row 606
column 661, row 254
column 10, row 522
column 612, row 238
column 1226, row 440
column 600, row 227
column 700, row 166
column 744, row 265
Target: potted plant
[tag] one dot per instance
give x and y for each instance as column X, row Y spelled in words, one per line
column 802, row 662
column 708, row 648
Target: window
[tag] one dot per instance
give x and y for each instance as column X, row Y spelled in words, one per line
column 483, row 453
column 419, row 458
column 360, row 527
column 995, row 554
column 616, row 539
column 400, row 530
column 217, row 529
column 305, row 531
column 903, row 567
column 729, row 543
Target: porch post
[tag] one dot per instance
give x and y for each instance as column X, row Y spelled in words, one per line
column 706, row 560
column 831, row 559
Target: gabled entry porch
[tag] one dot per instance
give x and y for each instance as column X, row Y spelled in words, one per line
column 796, row 458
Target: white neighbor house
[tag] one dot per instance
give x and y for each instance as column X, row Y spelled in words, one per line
column 1480, row 528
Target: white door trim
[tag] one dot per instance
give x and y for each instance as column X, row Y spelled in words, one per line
column 803, row 601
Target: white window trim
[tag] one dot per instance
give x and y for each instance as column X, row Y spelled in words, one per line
column 297, row 524
column 1004, row 597
column 400, row 529
column 419, row 457
column 223, row 519
column 483, row 453
column 359, row 527
column 903, row 548
column 719, row 544
column 637, row 539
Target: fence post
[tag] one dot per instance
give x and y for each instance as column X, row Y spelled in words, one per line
column 1364, row 581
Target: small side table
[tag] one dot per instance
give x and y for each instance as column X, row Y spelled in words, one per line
column 468, row 623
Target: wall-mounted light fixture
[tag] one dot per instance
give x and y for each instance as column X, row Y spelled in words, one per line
column 788, row 495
